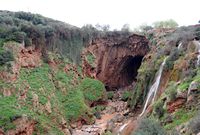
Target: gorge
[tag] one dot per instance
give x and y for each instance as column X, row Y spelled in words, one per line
column 59, row 79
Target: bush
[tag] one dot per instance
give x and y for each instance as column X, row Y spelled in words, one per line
column 158, row 109
column 126, row 95
column 75, row 107
column 171, row 91
column 180, row 116
column 93, row 89
column 149, row 127
column 7, row 111
column 174, row 55
column 5, row 56
column 110, row 94
column 166, row 24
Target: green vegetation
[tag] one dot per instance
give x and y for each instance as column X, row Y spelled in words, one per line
column 165, row 24
column 93, row 90
column 145, row 79
column 44, row 33
column 110, row 94
column 98, row 108
column 171, row 91
column 91, row 59
column 184, row 85
column 181, row 116
column 158, row 109
column 75, row 105
column 46, row 86
column 5, row 56
column 126, row 95
column 149, row 127
column 8, row 111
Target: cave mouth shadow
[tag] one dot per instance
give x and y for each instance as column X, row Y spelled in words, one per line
column 129, row 70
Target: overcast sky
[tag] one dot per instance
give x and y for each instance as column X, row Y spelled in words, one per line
column 112, row 12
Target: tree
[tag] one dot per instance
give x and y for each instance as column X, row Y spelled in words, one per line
column 105, row 27
column 145, row 27
column 165, row 24
column 126, row 28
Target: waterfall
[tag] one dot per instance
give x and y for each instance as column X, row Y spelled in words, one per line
column 121, row 128
column 197, row 44
column 180, row 45
column 198, row 57
column 154, row 88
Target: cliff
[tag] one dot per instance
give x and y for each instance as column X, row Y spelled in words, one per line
column 117, row 58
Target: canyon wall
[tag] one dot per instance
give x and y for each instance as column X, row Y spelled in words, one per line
column 117, row 59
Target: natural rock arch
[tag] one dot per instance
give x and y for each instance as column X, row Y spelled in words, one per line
column 117, row 59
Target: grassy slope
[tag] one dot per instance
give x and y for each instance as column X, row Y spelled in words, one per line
column 67, row 101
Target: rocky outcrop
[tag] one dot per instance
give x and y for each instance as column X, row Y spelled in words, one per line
column 24, row 58
column 117, row 59
column 24, row 126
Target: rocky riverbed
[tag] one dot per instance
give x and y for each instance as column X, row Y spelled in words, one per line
column 114, row 118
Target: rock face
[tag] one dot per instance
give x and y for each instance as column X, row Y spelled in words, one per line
column 24, row 57
column 24, row 126
column 117, row 59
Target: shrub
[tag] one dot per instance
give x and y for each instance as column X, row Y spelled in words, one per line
column 181, row 116
column 5, row 56
column 174, row 55
column 149, row 127
column 75, row 107
column 93, row 89
column 110, row 94
column 158, row 109
column 166, row 24
column 98, row 108
column 7, row 111
column 91, row 59
column 185, row 84
column 126, row 95
column 171, row 91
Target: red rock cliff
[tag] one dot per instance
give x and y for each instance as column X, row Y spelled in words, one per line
column 117, row 59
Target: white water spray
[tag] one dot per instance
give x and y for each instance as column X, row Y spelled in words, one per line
column 154, row 88
column 197, row 44
column 180, row 45
column 198, row 57
column 122, row 128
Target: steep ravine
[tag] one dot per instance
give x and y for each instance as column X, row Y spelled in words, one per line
column 115, row 61
column 43, row 91
column 116, row 118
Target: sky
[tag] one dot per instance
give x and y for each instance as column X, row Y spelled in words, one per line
column 116, row 13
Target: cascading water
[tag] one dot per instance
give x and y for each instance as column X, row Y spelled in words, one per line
column 154, row 88
column 198, row 57
column 180, row 45
column 121, row 128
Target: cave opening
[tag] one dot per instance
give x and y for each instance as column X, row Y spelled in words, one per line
column 129, row 70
